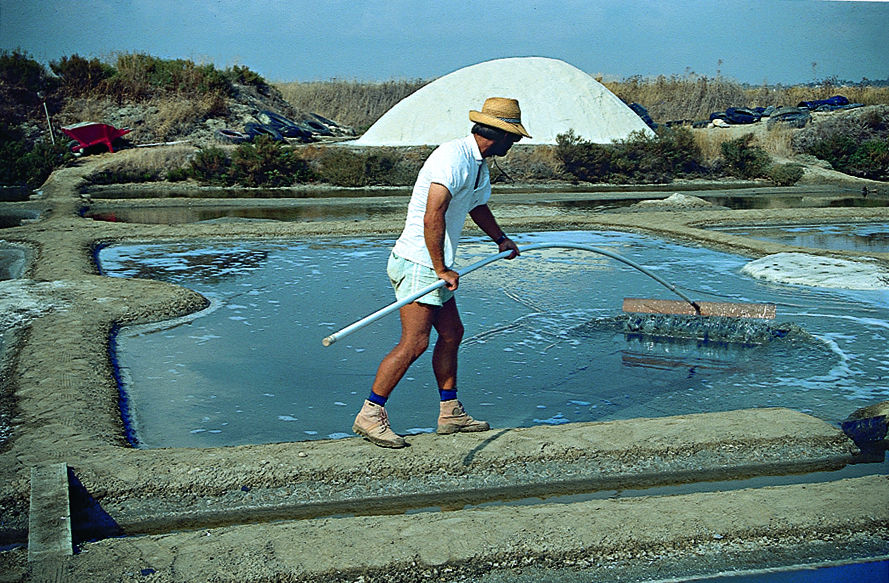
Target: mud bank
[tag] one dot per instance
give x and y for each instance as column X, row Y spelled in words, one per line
column 266, row 513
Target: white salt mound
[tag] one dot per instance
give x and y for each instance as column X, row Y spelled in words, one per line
column 554, row 97
column 677, row 199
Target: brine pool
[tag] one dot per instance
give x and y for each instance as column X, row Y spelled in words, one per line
column 251, row 369
column 869, row 236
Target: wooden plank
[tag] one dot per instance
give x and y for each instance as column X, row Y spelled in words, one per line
column 49, row 520
column 725, row 309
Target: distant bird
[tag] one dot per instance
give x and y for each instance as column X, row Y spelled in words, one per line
column 864, row 191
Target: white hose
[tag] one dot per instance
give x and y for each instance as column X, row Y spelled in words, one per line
column 414, row 297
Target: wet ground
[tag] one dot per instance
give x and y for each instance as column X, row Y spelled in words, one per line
column 343, row 510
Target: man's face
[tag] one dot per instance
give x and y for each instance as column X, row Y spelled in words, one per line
column 501, row 147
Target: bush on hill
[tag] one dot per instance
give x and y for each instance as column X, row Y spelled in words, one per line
column 263, row 163
column 637, row 159
column 854, row 143
column 744, row 159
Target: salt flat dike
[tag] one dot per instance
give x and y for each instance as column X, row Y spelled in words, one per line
column 614, row 501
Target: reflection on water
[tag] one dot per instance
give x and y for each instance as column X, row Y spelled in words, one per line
column 17, row 218
column 253, row 369
column 176, row 215
column 873, row 237
column 738, row 202
column 381, row 207
column 12, row 262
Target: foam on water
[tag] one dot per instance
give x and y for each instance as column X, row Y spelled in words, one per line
column 817, row 271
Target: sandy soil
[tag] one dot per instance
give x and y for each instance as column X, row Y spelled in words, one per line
column 334, row 510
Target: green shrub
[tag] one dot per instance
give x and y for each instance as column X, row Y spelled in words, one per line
column 582, row 159
column 744, row 160
column 375, row 167
column 641, row 158
column 786, row 174
column 25, row 85
column 30, row 165
column 17, row 68
column 139, row 76
column 680, row 152
column 212, row 166
column 342, row 167
column 852, row 142
column 244, row 76
column 871, row 160
column 178, row 175
column 266, row 162
column 836, row 149
column 866, row 160
column 80, row 76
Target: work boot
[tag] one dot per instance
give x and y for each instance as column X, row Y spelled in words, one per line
column 373, row 423
column 453, row 418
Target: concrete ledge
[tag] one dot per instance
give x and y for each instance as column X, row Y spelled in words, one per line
column 49, row 528
column 351, row 476
column 591, row 537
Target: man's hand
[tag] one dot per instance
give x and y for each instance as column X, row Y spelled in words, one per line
column 509, row 245
column 452, row 278
column 484, row 218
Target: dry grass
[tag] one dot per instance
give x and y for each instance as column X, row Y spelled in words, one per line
column 690, row 97
column 143, row 164
column 777, row 142
column 779, row 95
column 529, row 164
column 85, row 109
column 693, row 97
column 175, row 115
column 349, row 103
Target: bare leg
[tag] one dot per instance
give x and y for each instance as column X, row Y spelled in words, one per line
column 444, row 357
column 416, row 325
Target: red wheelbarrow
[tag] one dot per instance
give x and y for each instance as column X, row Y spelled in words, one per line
column 90, row 133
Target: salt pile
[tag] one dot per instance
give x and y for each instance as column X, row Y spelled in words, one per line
column 554, row 96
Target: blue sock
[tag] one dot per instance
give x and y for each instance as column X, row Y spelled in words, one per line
column 447, row 395
column 375, row 398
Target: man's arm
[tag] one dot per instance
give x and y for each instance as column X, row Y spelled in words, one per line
column 484, row 218
column 434, row 232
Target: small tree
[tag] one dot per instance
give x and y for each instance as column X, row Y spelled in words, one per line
column 81, row 76
column 744, row 160
column 212, row 166
column 267, row 163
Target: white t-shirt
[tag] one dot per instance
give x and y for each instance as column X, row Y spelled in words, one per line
column 458, row 166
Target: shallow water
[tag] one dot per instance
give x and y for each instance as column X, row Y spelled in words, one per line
column 252, row 369
column 175, row 215
column 12, row 262
column 377, row 206
column 868, row 237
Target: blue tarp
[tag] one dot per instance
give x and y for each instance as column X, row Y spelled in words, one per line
column 835, row 101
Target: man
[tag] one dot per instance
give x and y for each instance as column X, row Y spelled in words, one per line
column 453, row 182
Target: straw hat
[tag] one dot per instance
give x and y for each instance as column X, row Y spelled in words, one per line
column 501, row 113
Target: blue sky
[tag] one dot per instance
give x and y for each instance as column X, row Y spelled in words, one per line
column 773, row 41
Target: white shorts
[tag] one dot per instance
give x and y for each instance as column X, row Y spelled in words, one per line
column 408, row 278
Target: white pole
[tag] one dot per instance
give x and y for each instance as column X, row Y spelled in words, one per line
column 396, row 305
column 49, row 123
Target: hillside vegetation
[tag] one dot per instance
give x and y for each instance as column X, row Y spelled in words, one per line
column 179, row 100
